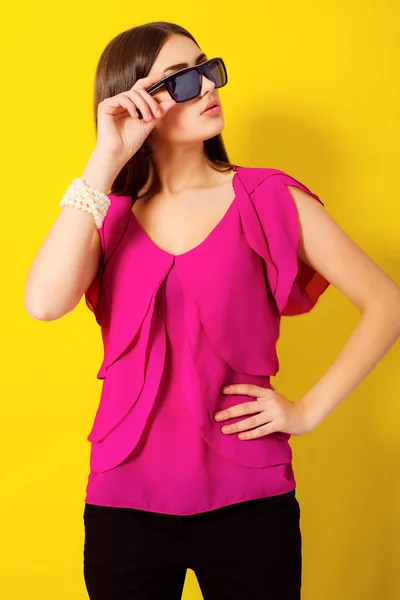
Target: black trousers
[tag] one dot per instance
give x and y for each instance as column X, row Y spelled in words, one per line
column 248, row 550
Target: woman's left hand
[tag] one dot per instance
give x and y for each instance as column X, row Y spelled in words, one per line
column 274, row 413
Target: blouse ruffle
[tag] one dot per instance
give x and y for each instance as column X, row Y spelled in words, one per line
column 236, row 286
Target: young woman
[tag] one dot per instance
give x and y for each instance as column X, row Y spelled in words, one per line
column 188, row 265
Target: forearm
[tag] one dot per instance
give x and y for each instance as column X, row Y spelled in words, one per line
column 67, row 260
column 376, row 332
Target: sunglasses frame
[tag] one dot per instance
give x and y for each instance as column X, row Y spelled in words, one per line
column 198, row 68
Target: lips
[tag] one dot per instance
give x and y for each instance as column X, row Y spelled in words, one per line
column 210, row 105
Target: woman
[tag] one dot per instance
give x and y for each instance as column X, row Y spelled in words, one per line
column 188, row 265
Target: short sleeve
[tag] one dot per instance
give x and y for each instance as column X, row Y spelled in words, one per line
column 93, row 291
column 111, row 232
column 295, row 285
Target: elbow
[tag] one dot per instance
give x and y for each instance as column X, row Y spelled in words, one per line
column 50, row 294
column 36, row 310
column 394, row 310
column 388, row 307
column 44, row 307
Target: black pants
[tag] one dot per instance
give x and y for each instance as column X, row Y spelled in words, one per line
column 250, row 550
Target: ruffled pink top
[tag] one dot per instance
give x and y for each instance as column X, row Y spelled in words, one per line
column 175, row 330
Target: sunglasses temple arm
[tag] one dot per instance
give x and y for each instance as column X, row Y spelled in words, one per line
column 154, row 87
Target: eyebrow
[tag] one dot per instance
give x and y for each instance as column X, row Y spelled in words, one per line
column 199, row 59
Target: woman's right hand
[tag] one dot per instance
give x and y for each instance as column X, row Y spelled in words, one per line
column 120, row 130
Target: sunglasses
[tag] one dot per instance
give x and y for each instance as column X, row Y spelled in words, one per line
column 185, row 84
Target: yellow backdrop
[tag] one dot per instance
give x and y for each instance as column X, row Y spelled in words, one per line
column 313, row 90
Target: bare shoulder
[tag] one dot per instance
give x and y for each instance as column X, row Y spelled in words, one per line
column 328, row 249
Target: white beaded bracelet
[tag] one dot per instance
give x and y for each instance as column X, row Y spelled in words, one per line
column 87, row 199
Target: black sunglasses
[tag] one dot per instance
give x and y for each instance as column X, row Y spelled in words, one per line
column 185, row 84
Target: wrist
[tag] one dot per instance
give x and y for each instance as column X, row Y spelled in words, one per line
column 310, row 411
column 101, row 170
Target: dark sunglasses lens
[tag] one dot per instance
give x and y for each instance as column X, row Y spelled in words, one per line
column 216, row 72
column 184, row 87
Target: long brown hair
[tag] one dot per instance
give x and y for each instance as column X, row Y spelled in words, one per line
column 127, row 58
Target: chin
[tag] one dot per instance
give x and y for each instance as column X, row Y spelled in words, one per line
column 216, row 126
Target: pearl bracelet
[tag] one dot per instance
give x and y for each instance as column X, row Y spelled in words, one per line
column 87, row 199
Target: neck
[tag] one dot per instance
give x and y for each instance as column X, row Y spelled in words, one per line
column 182, row 168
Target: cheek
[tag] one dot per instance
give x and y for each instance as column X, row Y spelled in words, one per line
column 179, row 123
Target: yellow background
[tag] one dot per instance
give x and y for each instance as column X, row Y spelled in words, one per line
column 314, row 90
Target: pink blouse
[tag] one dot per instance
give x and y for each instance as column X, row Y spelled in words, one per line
column 176, row 329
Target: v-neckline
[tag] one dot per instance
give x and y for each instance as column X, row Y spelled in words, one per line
column 133, row 219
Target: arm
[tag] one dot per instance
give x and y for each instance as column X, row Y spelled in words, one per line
column 70, row 255
column 331, row 252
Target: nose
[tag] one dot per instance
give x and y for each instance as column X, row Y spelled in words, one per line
column 206, row 85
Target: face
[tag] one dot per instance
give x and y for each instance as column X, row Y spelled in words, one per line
column 184, row 122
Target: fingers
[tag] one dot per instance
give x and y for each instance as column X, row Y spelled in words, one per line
column 148, row 106
column 132, row 100
column 246, row 424
column 140, row 103
column 257, row 426
column 137, row 99
column 140, row 87
column 114, row 104
column 243, row 389
column 152, row 108
column 238, row 410
column 246, row 389
column 261, row 431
